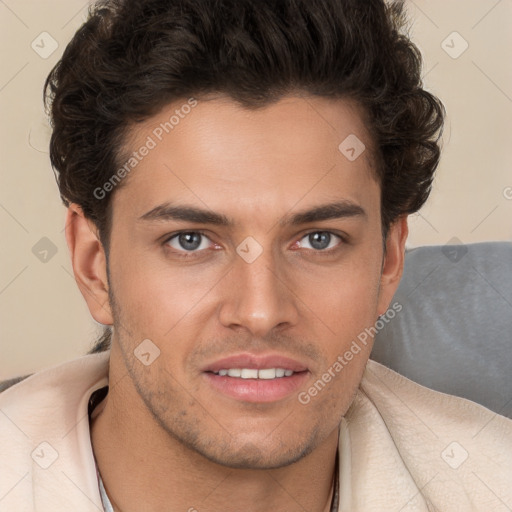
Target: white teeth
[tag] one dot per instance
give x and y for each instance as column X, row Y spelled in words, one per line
column 267, row 373
column 249, row 374
column 252, row 373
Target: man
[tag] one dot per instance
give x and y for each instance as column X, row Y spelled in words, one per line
column 238, row 175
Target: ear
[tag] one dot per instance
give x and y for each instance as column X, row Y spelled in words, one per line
column 393, row 264
column 89, row 263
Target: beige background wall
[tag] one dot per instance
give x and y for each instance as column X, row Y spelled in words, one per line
column 43, row 318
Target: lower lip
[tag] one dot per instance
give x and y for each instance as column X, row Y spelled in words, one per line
column 257, row 390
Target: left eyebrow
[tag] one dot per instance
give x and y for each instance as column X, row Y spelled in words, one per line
column 336, row 210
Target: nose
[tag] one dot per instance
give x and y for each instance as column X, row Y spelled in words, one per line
column 258, row 296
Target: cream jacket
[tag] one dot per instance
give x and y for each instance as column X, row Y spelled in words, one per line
column 403, row 447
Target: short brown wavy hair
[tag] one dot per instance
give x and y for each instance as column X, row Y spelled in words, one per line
column 132, row 57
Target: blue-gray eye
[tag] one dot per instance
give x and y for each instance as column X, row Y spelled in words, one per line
column 321, row 240
column 189, row 241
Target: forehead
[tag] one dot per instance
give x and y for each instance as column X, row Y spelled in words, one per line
column 218, row 154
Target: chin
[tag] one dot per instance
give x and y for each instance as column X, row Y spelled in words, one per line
column 254, row 454
column 252, row 457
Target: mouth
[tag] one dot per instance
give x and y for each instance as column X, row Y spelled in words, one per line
column 256, row 379
column 254, row 373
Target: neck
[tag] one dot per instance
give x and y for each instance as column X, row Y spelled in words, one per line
column 134, row 454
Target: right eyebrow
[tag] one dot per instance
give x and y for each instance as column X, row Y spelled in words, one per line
column 167, row 212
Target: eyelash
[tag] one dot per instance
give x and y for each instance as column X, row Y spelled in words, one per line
column 192, row 254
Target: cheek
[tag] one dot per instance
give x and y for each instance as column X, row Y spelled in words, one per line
column 153, row 297
column 345, row 298
column 348, row 307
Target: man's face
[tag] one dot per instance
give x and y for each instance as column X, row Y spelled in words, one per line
column 260, row 292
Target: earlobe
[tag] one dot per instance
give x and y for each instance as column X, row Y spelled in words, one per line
column 89, row 263
column 393, row 262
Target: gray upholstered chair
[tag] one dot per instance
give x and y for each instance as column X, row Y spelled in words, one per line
column 454, row 333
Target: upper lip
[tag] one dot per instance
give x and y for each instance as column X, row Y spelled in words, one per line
column 256, row 362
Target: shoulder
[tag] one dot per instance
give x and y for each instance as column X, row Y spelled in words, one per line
column 44, row 436
column 56, row 382
column 450, row 447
